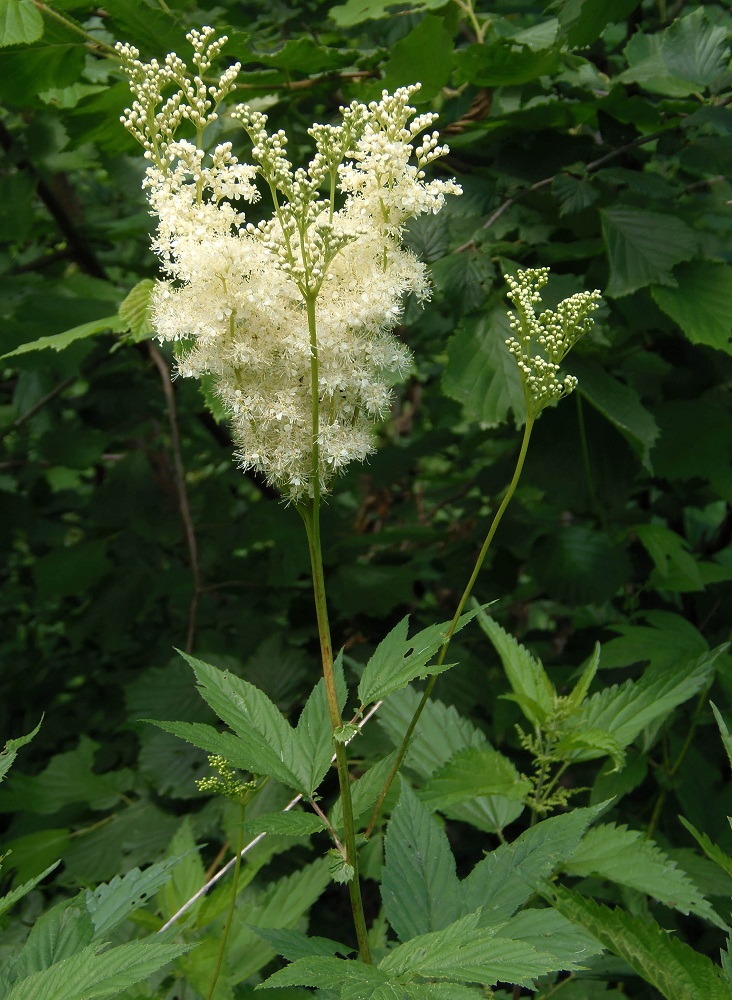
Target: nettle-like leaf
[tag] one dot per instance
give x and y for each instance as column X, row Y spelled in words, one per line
column 20, row 22
column 92, row 974
column 264, row 742
column 712, row 850
column 10, row 750
column 623, row 711
column 472, row 772
column 676, row 970
column 618, row 403
column 293, row 944
column 12, row 897
column 624, row 856
column 420, row 887
column 135, row 311
column 723, row 732
column 365, row 790
column 397, row 660
column 531, row 686
column 467, row 952
column 60, row 341
column 548, row 931
column 441, row 733
column 313, row 736
column 480, row 372
column 643, row 247
column 286, row 824
column 111, row 903
column 350, row 978
column 701, row 304
column 508, row 876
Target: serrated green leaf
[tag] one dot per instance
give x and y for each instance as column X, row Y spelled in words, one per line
column 289, row 824
column 328, row 973
column 425, row 54
column 397, row 660
column 723, row 732
column 60, row 341
column 20, row 22
column 526, row 675
column 465, row 279
column 501, row 62
column 187, row 872
column 574, row 193
column 91, row 975
column 701, row 303
column 283, row 904
column 471, row 772
column 135, row 311
column 624, row 711
column 12, row 897
column 643, row 247
column 676, row 970
column 480, row 372
column 314, row 736
column 466, row 952
column 549, row 932
column 365, row 790
column 246, row 755
column 583, row 21
column 440, row 733
column 618, row 403
column 68, row 778
column 676, row 568
column 419, row 888
column 111, row 903
column 666, row 638
column 624, row 856
column 505, row 878
column 712, row 851
column 266, row 737
column 292, row 944
column 357, row 11
column 59, row 933
column 10, row 750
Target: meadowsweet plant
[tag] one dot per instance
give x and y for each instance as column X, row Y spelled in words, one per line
column 293, row 314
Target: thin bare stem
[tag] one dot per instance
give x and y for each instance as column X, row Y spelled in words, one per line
column 232, row 905
column 498, row 516
column 181, row 492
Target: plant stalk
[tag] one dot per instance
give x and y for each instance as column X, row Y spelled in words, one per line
column 232, row 904
column 310, row 512
column 497, row 517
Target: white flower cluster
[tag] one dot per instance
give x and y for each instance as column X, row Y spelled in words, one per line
column 553, row 332
column 302, row 304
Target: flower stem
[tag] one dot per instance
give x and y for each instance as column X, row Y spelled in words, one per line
column 497, row 517
column 232, row 904
column 310, row 512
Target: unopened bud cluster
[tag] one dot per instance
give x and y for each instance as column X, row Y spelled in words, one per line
column 249, row 296
column 541, row 342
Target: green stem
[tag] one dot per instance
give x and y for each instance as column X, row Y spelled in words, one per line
column 100, row 46
column 232, row 904
column 497, row 517
column 310, row 512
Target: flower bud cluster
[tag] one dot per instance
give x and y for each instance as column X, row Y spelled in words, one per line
column 541, row 342
column 301, row 302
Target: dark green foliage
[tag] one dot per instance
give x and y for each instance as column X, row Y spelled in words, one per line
column 595, row 138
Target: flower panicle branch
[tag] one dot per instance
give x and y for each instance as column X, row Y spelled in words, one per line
column 540, row 343
column 240, row 292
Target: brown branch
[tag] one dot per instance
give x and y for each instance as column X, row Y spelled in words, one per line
column 181, row 491
column 56, row 391
column 81, row 252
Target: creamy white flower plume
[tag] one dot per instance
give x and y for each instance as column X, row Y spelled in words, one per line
column 304, row 301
